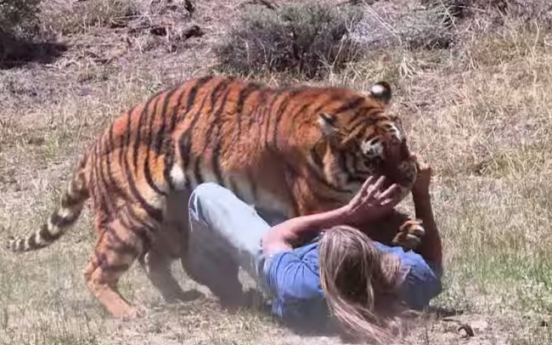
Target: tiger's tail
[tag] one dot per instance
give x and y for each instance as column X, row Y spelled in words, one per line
column 67, row 213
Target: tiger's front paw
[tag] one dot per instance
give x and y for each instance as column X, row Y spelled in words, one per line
column 410, row 235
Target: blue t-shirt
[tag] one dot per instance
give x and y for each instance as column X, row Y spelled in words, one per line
column 293, row 278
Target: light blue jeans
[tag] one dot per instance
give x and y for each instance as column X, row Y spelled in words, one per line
column 225, row 234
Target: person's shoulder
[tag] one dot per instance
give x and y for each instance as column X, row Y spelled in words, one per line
column 422, row 280
column 311, row 247
column 410, row 258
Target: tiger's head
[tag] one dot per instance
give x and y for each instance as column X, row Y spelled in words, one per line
column 365, row 139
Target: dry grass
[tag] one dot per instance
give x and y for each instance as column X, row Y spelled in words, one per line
column 309, row 39
column 480, row 111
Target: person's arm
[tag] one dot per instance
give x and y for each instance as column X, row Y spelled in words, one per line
column 369, row 203
column 283, row 236
column 431, row 247
column 423, row 281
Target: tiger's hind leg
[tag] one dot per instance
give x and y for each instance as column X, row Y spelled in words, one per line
column 170, row 244
column 219, row 276
column 157, row 266
column 116, row 249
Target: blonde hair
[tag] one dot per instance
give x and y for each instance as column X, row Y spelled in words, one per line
column 360, row 283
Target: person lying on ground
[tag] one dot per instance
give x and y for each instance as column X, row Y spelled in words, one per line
column 366, row 285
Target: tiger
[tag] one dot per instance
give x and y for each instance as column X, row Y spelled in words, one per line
column 294, row 150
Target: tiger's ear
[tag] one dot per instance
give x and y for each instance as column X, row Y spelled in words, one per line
column 381, row 91
column 327, row 124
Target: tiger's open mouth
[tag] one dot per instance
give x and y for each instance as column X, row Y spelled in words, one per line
column 399, row 166
column 403, row 174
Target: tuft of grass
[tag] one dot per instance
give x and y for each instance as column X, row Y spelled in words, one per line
column 77, row 17
column 19, row 24
column 309, row 39
column 406, row 25
column 18, row 16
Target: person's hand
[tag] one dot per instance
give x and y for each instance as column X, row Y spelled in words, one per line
column 371, row 202
column 423, row 180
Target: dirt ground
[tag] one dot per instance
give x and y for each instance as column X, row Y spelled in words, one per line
column 480, row 111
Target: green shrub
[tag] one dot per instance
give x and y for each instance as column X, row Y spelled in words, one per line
column 309, row 38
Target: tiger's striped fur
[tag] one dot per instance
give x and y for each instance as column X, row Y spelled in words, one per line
column 294, row 150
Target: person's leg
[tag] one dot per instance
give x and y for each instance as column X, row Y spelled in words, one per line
column 225, row 234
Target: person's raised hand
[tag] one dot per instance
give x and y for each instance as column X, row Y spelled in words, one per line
column 371, row 201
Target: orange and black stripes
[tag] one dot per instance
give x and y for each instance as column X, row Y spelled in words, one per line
column 291, row 150
column 71, row 204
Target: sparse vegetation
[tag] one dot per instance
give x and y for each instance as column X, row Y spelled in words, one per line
column 74, row 17
column 17, row 16
column 479, row 108
column 18, row 22
column 305, row 38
